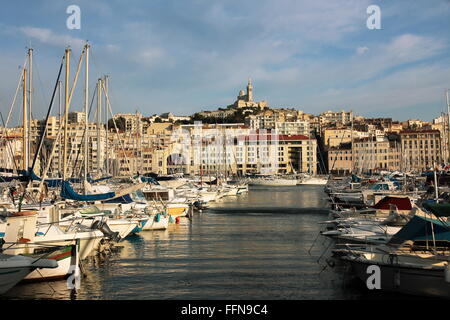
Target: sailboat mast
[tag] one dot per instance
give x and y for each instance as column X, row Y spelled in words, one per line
column 30, row 98
column 66, row 112
column 351, row 145
column 25, row 124
column 106, row 123
column 448, row 117
column 86, row 112
column 60, row 126
column 99, row 119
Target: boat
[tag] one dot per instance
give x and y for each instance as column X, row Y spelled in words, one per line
column 415, row 274
column 66, row 257
column 314, row 180
column 158, row 221
column 272, row 182
column 22, row 227
column 13, row 268
column 415, row 261
column 91, row 217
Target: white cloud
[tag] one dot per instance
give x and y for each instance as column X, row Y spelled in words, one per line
column 47, row 36
column 361, row 50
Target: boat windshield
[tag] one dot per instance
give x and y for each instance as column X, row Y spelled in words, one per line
column 381, row 186
column 138, row 195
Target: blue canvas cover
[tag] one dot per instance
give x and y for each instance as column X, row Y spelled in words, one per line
column 67, row 192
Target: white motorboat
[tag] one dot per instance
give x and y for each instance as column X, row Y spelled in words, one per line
column 13, row 268
column 423, row 274
column 415, row 260
column 272, row 182
column 158, row 221
column 67, row 258
column 313, row 181
column 21, row 227
column 89, row 215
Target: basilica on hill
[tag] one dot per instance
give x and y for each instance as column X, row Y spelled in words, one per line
column 245, row 100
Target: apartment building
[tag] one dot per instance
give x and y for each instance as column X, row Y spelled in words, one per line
column 376, row 154
column 340, row 159
column 421, row 149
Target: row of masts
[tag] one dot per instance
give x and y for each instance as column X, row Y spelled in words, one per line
column 101, row 87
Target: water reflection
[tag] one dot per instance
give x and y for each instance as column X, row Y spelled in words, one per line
column 254, row 246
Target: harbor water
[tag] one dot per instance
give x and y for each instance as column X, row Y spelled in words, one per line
column 260, row 245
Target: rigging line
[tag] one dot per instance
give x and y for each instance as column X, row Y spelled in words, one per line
column 74, row 83
column 115, row 125
column 41, row 83
column 84, row 131
column 15, row 95
column 60, row 130
column 41, row 140
column 9, row 144
column 340, row 142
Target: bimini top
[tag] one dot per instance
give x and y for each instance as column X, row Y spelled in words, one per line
column 439, row 209
column 402, row 203
column 421, row 229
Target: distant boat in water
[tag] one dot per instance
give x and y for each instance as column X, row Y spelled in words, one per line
column 313, row 180
column 272, row 181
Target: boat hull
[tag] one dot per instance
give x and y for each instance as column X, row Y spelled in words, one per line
column 9, row 277
column 66, row 257
column 273, row 183
column 406, row 280
column 123, row 228
column 153, row 224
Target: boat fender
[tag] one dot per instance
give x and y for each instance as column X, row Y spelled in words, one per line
column 23, row 213
column 157, row 217
column 177, row 220
column 171, row 220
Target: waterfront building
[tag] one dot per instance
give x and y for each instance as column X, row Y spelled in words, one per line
column 340, row 159
column 237, row 149
column 376, row 153
column 421, row 149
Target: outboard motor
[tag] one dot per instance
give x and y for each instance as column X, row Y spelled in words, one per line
column 103, row 227
column 199, row 205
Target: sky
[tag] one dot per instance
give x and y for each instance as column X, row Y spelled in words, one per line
column 194, row 55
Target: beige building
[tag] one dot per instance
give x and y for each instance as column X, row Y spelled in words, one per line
column 293, row 127
column 340, row 159
column 11, row 146
column 236, row 149
column 421, row 149
column 341, row 117
column 133, row 121
column 376, row 154
column 333, row 137
column 271, row 118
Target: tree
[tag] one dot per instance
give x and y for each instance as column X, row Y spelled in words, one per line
column 120, row 123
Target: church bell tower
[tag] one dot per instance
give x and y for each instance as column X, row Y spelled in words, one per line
column 249, row 91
